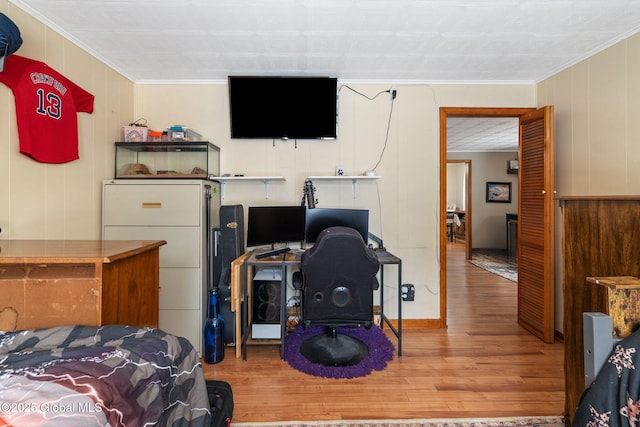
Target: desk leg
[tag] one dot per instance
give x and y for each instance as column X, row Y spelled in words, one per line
column 245, row 313
column 283, row 310
column 400, row 309
column 382, row 318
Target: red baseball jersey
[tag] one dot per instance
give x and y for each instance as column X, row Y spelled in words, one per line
column 47, row 104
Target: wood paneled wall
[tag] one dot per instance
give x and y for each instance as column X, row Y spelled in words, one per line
column 601, row 237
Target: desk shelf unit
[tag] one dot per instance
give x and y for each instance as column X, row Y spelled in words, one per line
column 242, row 277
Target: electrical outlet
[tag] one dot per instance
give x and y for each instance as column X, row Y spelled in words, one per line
column 339, row 170
column 408, row 292
column 393, row 93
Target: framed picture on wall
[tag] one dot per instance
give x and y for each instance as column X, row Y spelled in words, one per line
column 498, row 192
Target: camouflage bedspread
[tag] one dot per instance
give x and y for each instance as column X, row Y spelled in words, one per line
column 104, row 375
column 613, row 399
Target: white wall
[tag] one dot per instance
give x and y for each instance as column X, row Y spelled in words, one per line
column 456, row 185
column 597, row 105
column 403, row 203
column 489, row 219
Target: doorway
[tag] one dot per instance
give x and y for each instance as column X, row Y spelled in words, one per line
column 445, row 113
column 459, row 202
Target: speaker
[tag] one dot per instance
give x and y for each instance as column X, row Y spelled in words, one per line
column 347, row 301
column 229, row 245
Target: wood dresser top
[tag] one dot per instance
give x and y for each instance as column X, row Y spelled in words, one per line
column 616, row 282
column 72, row 251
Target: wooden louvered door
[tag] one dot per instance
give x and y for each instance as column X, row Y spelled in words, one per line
column 536, row 224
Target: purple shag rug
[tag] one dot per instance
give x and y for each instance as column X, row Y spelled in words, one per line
column 380, row 352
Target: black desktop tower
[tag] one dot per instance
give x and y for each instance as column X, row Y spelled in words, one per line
column 229, row 245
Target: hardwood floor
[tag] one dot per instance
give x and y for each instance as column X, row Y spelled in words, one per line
column 482, row 365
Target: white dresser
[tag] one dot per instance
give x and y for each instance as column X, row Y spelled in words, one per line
column 182, row 212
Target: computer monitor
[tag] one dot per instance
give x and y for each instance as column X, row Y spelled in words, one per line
column 317, row 219
column 270, row 225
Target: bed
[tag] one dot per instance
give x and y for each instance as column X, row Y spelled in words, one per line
column 100, row 375
column 613, row 398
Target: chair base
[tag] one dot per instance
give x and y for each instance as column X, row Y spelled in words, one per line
column 334, row 349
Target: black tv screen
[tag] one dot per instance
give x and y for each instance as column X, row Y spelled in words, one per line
column 270, row 225
column 317, row 219
column 283, row 107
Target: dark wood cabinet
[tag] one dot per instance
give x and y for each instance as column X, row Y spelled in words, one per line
column 600, row 237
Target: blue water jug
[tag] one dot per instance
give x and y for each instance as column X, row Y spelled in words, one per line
column 214, row 331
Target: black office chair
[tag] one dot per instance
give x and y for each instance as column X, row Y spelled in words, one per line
column 337, row 277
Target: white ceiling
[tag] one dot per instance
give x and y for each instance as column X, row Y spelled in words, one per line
column 354, row 40
column 466, row 134
column 382, row 41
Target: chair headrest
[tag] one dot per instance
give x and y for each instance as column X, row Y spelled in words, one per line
column 339, row 231
column 339, row 243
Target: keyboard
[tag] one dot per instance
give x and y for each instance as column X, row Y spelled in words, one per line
column 272, row 252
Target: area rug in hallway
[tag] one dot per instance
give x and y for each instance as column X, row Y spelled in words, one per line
column 553, row 421
column 496, row 261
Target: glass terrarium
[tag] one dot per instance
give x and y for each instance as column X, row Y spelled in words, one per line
column 174, row 159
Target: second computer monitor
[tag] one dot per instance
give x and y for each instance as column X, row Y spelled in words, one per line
column 271, row 225
column 317, row 219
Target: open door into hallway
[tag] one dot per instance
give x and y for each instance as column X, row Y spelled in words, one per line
column 536, row 225
column 536, row 304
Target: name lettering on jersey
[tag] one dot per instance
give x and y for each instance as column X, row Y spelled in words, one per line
column 41, row 78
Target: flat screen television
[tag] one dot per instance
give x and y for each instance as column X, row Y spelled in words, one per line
column 283, row 107
column 317, row 219
column 271, row 225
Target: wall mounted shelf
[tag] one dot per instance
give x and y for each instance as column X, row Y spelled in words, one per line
column 265, row 180
column 353, row 178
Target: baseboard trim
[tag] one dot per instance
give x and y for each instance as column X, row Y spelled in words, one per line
column 417, row 323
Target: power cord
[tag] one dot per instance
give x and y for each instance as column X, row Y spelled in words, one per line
column 386, row 137
column 394, row 94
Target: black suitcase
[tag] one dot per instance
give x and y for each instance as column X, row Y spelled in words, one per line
column 229, row 246
column 221, row 402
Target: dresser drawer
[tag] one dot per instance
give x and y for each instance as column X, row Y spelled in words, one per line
column 182, row 248
column 181, row 288
column 139, row 204
column 184, row 323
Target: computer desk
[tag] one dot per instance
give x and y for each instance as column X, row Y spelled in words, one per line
column 242, row 293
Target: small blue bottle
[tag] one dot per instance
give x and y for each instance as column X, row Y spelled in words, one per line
column 214, row 331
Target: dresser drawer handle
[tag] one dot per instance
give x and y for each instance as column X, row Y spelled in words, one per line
column 151, row 205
